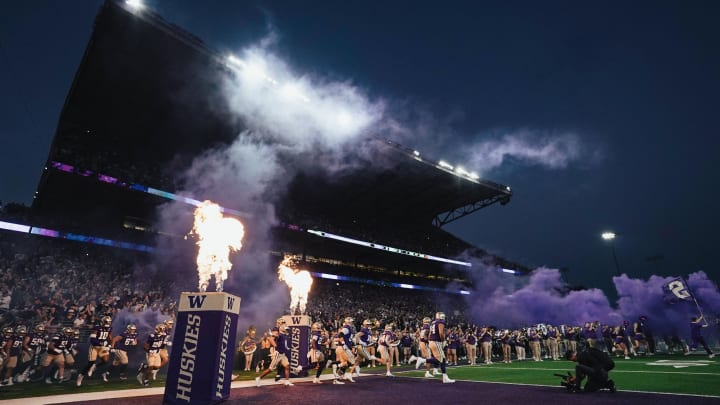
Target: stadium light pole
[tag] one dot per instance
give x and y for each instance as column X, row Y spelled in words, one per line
column 610, row 237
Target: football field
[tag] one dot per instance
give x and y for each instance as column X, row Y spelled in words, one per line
column 694, row 375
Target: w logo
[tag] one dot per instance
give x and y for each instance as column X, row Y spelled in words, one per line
column 196, row 301
column 230, row 302
column 678, row 288
column 295, row 320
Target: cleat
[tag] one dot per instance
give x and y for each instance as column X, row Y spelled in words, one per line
column 105, row 376
column 348, row 377
column 123, row 378
column 412, row 359
column 428, row 375
column 91, row 371
column 316, row 381
column 338, row 382
column 711, row 355
column 298, row 369
column 447, row 380
column 146, row 383
column 357, row 371
column 50, row 381
column 79, row 380
column 257, row 381
column 288, row 383
column 436, row 372
column 389, row 374
column 154, row 374
column 627, row 357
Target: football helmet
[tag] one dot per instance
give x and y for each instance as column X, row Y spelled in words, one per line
column 160, row 328
column 131, row 328
column 440, row 315
column 76, row 333
column 317, row 326
column 426, row 320
column 281, row 322
column 169, row 323
column 349, row 320
column 367, row 323
column 388, row 327
column 106, row 321
column 21, row 330
column 68, row 331
column 8, row 331
column 39, row 328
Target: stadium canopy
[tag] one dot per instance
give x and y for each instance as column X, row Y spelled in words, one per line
column 147, row 99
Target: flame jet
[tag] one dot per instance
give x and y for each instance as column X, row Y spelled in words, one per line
column 217, row 238
column 299, row 282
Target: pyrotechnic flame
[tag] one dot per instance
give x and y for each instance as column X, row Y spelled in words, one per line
column 217, row 237
column 299, row 282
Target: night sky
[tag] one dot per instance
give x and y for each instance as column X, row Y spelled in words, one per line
column 629, row 90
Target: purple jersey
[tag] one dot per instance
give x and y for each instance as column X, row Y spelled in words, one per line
column 406, row 341
column 453, row 341
column 424, row 332
column 16, row 345
column 365, row 336
column 128, row 341
column 61, row 342
column 348, row 332
column 100, row 336
column 37, row 341
column 435, row 335
column 155, row 342
column 282, row 344
column 316, row 340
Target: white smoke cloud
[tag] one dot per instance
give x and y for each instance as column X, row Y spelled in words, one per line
column 299, row 111
column 554, row 151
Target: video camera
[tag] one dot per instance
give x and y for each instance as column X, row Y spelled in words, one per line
column 567, row 381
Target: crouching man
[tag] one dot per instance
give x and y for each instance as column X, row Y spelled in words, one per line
column 595, row 365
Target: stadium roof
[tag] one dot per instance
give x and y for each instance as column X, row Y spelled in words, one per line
column 146, row 99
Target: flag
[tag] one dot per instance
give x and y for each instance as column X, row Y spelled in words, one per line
column 676, row 290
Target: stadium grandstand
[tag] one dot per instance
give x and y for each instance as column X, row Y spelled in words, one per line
column 129, row 125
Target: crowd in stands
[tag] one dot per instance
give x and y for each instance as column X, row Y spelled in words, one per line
column 63, row 283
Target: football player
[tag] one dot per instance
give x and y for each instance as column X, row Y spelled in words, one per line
column 57, row 348
column 315, row 355
column 164, row 355
column 347, row 334
column 436, row 343
column 99, row 350
column 152, row 347
column 363, row 340
column 384, row 343
column 278, row 341
column 13, row 349
column 120, row 346
column 35, row 343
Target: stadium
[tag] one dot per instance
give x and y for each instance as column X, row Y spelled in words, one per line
column 144, row 126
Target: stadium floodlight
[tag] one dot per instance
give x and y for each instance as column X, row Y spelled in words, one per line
column 507, row 188
column 474, row 176
column 462, row 171
column 608, row 235
column 233, row 60
column 135, row 4
column 416, row 153
column 446, row 165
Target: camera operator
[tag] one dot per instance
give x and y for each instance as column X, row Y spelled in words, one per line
column 593, row 364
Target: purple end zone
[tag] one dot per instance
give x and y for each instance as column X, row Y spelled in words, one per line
column 379, row 389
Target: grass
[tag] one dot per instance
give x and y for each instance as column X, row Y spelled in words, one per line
column 696, row 375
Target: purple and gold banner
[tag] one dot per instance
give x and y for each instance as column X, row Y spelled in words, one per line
column 200, row 368
column 298, row 339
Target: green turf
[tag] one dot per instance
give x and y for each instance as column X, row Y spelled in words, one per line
column 650, row 374
column 700, row 377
